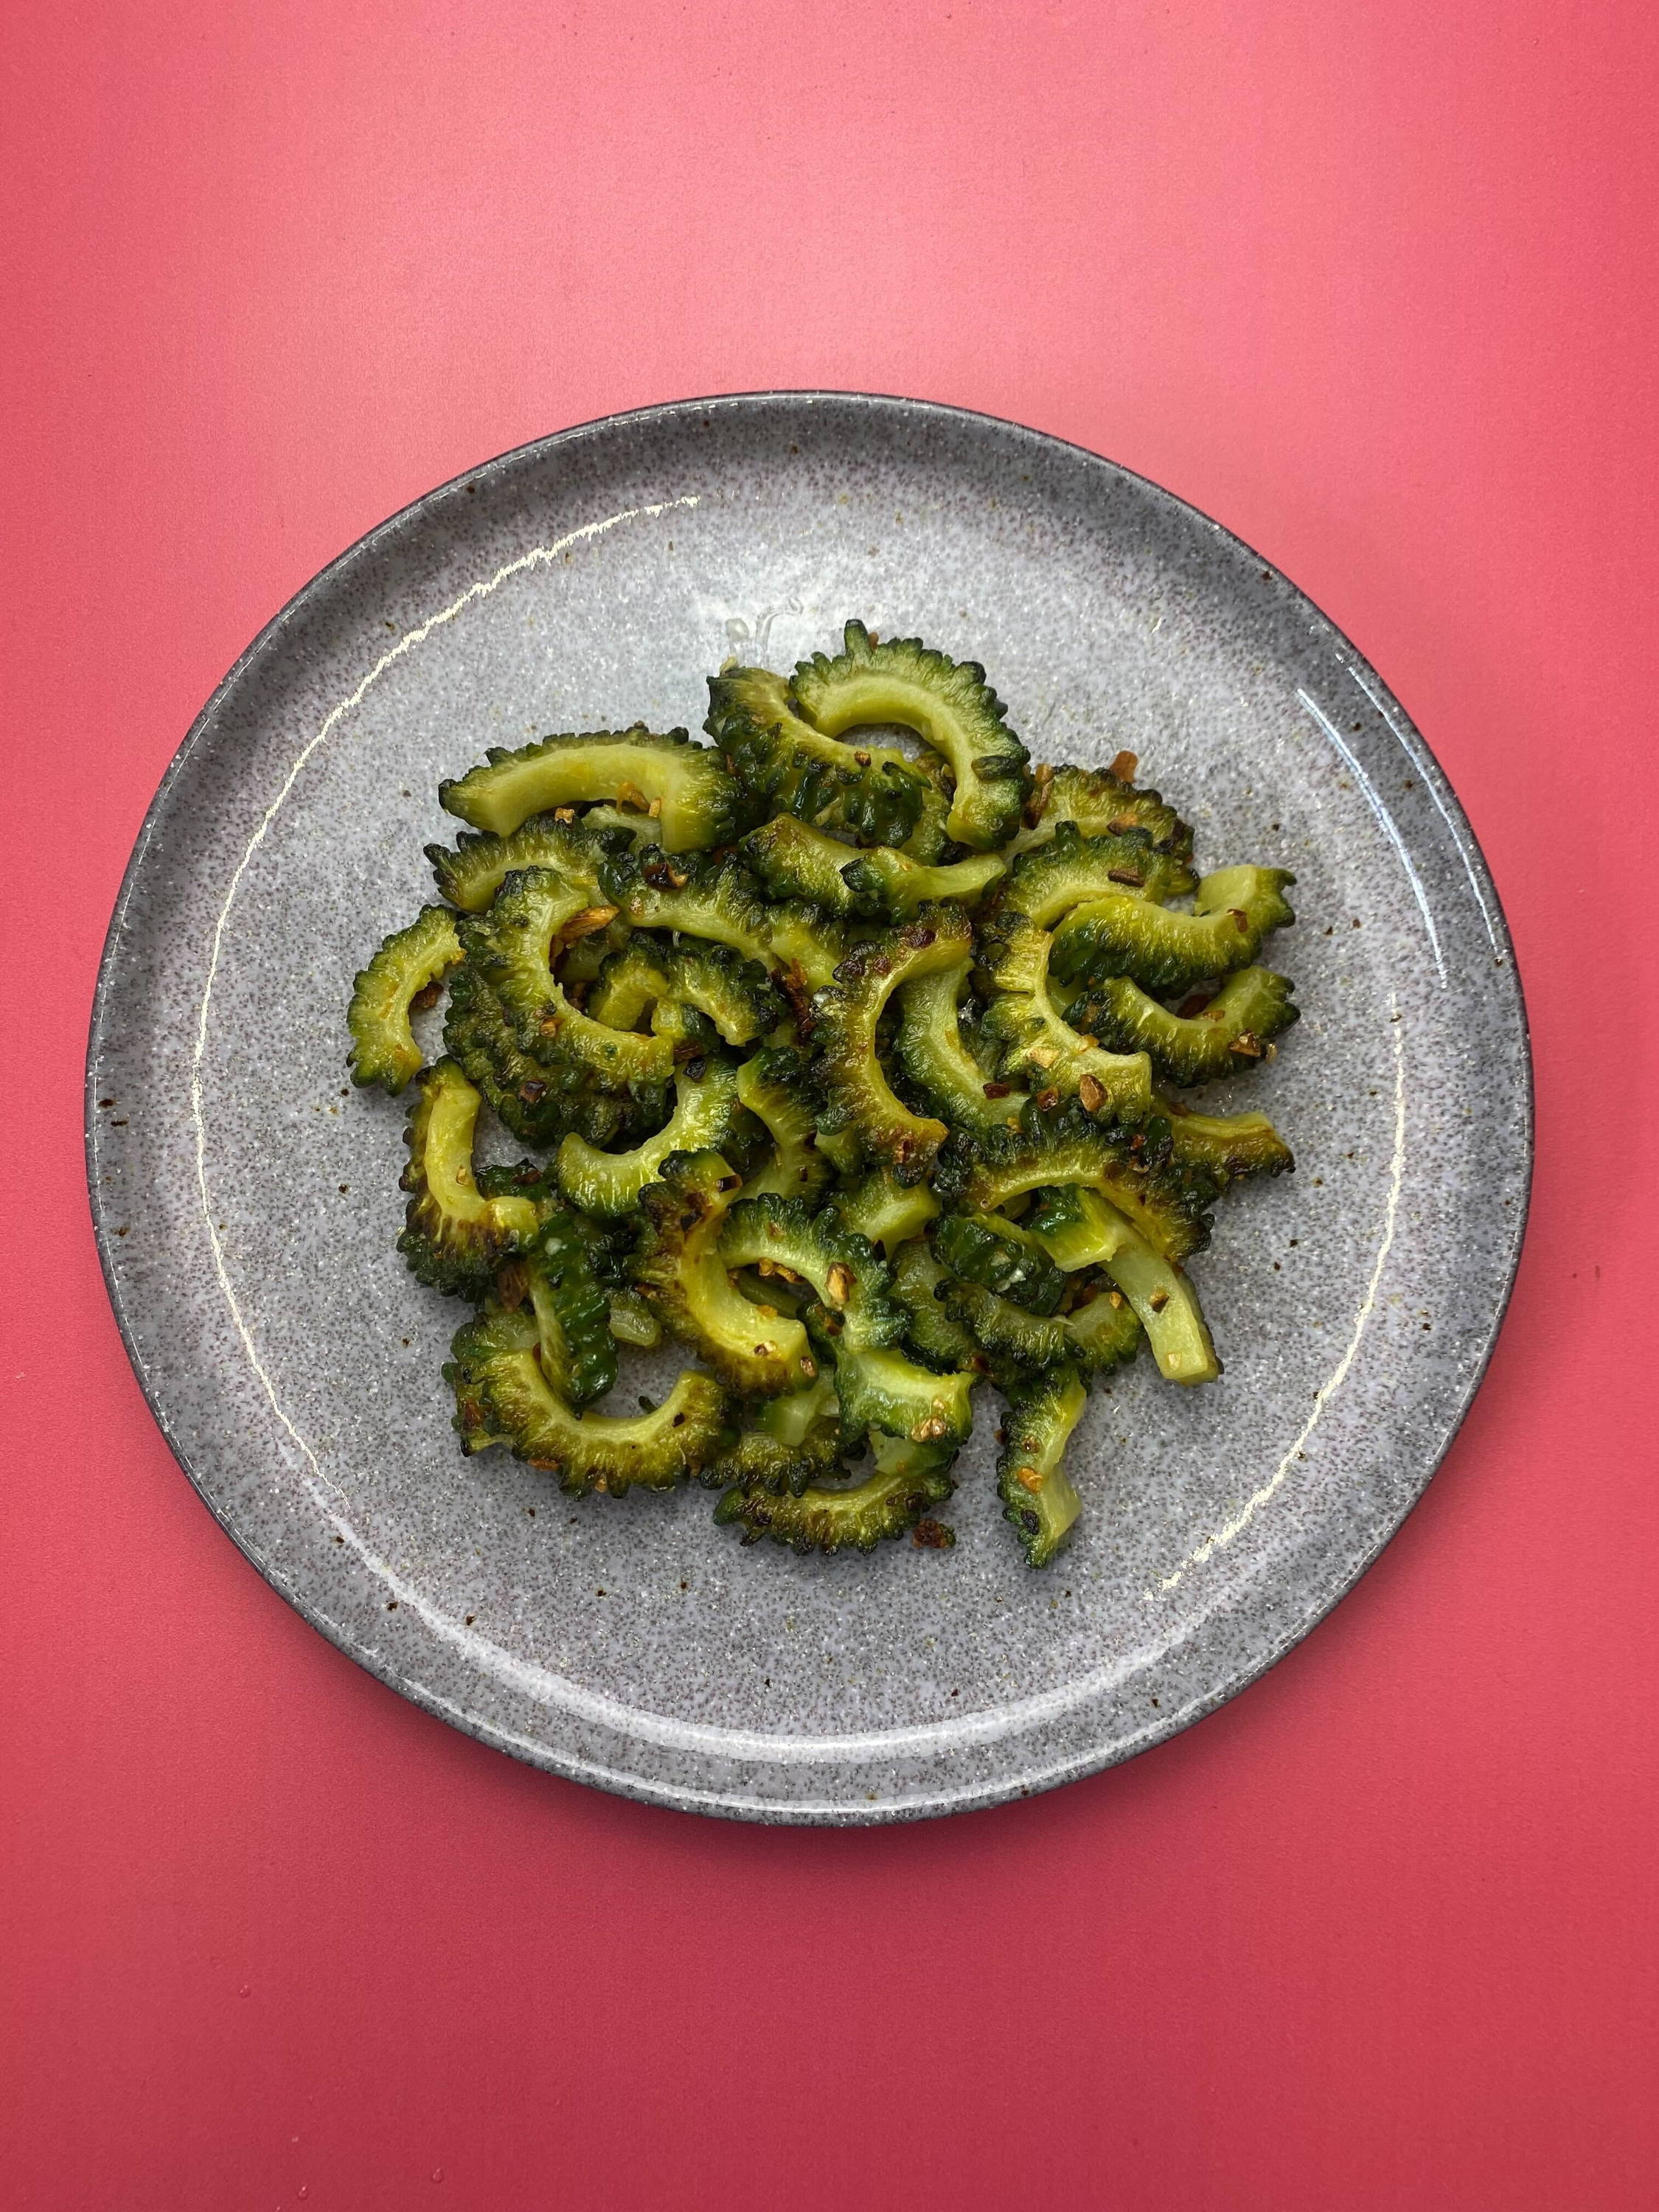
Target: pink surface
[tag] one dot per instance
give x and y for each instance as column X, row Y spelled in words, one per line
column 1372, row 284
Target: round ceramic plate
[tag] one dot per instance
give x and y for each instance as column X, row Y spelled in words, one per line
column 246, row 1203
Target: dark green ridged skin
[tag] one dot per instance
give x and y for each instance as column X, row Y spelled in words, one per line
column 502, row 1397
column 998, row 1254
column 775, row 1450
column 1229, row 1037
column 443, row 1248
column 857, row 1095
column 1234, row 1145
column 383, row 1047
column 680, row 1271
column 934, row 1052
column 737, row 996
column 539, row 1104
column 947, row 703
column 470, row 872
column 1038, row 1501
column 699, row 804
column 931, row 1336
column 1016, row 1341
column 577, row 1350
column 1071, row 869
column 1165, row 951
column 775, row 1086
column 889, row 1503
column 514, row 946
column 1100, row 805
column 1166, row 1202
column 790, row 768
column 792, row 860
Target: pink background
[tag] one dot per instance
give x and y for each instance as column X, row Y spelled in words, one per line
column 1372, row 283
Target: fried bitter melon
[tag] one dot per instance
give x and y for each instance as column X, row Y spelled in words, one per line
column 455, row 1237
column 795, row 861
column 878, row 1386
column 854, row 1066
column 1101, row 802
column 949, row 705
column 1038, row 1499
column 858, row 1096
column 1162, row 949
column 680, row 1271
column 409, row 962
column 683, row 787
column 503, row 1397
column 1080, row 1229
column 1229, row 1033
column 470, row 872
column 875, row 793
column 609, row 1184
column 894, row 1499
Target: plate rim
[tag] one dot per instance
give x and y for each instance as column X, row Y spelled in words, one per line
column 571, row 1765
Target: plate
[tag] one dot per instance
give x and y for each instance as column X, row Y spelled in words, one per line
column 246, row 1200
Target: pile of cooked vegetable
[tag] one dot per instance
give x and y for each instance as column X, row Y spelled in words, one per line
column 851, row 1067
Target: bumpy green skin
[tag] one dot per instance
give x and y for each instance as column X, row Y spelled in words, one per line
column 383, row 1047
column 698, row 802
column 885, row 1391
column 871, row 791
column 1234, row 1145
column 470, row 872
column 1166, row 1203
column 930, row 1334
column 889, row 887
column 538, row 1105
column 857, row 1098
column 845, row 1269
column 514, row 946
column 807, row 948
column 1229, row 1037
column 455, row 1237
column 737, row 994
column 1038, row 1045
column 774, row 1087
column 501, row 1396
column 609, row 1184
column 997, row 1254
column 787, row 1444
column 1017, row 1342
column 1072, row 869
column 694, row 893
column 934, row 1062
column 878, row 1386
column 1232, row 911
column 1038, row 1500
column 577, row 1350
column 1101, row 806
column 1080, row 1230
column 883, row 1209
column 888, row 1504
column 795, row 861
column 680, row 1271
column 949, row 705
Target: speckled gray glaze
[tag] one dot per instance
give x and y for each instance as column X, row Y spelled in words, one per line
column 246, row 1205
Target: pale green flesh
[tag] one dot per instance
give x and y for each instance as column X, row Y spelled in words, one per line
column 446, row 1162
column 508, row 794
column 1160, row 1293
